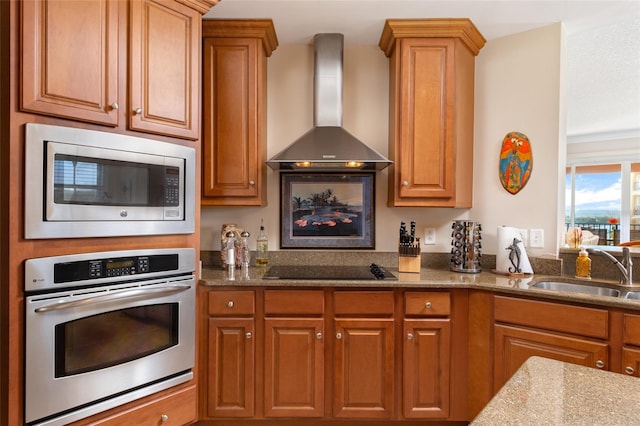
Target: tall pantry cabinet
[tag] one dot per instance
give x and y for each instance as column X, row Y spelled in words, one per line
column 431, row 88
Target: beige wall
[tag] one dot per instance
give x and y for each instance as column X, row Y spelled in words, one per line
column 517, row 88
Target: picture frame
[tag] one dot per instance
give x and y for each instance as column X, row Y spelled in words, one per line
column 327, row 210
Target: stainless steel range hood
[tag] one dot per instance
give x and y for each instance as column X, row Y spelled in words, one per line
column 328, row 146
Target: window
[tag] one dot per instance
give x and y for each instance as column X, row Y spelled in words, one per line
column 604, row 201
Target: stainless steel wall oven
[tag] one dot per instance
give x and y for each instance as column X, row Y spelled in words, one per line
column 106, row 328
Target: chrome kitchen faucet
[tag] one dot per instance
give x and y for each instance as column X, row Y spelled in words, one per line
column 625, row 267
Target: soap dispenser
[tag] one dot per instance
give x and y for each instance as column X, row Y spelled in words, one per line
column 583, row 264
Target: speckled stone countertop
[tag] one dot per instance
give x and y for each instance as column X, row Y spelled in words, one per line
column 426, row 279
column 549, row 392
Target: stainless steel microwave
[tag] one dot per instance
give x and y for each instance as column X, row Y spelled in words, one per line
column 85, row 183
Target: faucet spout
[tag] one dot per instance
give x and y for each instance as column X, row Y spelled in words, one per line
column 625, row 267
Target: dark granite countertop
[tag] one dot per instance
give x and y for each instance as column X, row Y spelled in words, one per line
column 426, row 279
column 549, row 392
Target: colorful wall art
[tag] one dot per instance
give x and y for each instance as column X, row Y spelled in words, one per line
column 516, row 162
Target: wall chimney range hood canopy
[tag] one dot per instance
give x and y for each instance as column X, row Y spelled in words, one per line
column 328, row 146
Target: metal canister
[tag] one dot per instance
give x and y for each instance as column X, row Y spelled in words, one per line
column 230, row 227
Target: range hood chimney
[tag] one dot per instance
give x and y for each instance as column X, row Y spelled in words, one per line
column 328, row 146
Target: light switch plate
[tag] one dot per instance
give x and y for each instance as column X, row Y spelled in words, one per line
column 536, row 238
column 429, row 236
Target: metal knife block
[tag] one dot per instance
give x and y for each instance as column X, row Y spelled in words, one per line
column 466, row 248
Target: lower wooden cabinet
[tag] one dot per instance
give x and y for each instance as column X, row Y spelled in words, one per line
column 363, row 368
column 328, row 354
column 631, row 348
column 167, row 409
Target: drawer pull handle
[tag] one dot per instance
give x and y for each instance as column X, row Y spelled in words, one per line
column 600, row 364
column 427, row 305
column 252, row 182
column 230, row 304
column 114, row 106
column 338, row 335
column 319, row 335
column 629, row 370
column 248, row 335
column 164, row 418
column 137, row 111
column 405, row 183
column 410, row 336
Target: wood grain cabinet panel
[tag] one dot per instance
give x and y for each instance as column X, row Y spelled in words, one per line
column 164, row 68
column 231, row 367
column 234, row 106
column 631, row 329
column 514, row 345
column 426, row 368
column 294, row 367
column 364, row 368
column 431, row 80
column 631, row 361
column 70, row 59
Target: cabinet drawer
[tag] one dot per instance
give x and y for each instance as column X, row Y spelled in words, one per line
column 363, row 303
column 231, row 303
column 632, row 329
column 558, row 317
column 427, row 304
column 175, row 409
column 294, row 302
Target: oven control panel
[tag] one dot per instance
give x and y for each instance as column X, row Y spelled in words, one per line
column 97, row 268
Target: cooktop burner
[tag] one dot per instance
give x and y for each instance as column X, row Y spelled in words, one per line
column 306, row 272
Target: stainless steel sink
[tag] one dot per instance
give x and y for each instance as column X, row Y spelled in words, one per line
column 576, row 286
column 631, row 295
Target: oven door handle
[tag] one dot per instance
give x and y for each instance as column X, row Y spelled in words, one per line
column 140, row 293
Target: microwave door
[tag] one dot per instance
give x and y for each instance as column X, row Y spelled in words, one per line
column 95, row 184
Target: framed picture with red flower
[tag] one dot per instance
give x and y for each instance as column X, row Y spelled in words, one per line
column 327, row 210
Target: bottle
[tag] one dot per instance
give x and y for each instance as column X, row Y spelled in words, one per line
column 262, row 247
column 583, row 264
column 231, row 255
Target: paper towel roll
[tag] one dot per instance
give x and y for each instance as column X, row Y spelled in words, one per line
column 504, row 265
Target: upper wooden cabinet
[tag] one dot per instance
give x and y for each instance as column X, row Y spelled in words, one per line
column 72, row 55
column 234, row 146
column 70, row 59
column 164, row 68
column 431, row 95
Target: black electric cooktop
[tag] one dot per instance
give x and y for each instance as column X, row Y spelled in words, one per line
column 306, row 272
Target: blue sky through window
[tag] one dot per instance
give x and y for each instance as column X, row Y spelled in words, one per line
column 597, row 194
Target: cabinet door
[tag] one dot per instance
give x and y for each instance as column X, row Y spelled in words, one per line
column 164, row 63
column 294, row 367
column 70, row 59
column 631, row 361
column 514, row 345
column 425, row 152
column 231, row 367
column 363, row 368
column 232, row 150
column 426, row 368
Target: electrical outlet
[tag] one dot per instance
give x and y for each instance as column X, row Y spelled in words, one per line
column 429, row 236
column 536, row 238
column 524, row 236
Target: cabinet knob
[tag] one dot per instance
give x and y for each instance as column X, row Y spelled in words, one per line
column 405, row 183
column 427, row 305
column 248, row 335
column 629, row 370
column 164, row 418
column 252, row 182
column 137, row 111
column 600, row 364
column 338, row 335
column 114, row 106
column 319, row 335
column 230, row 304
column 409, row 336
